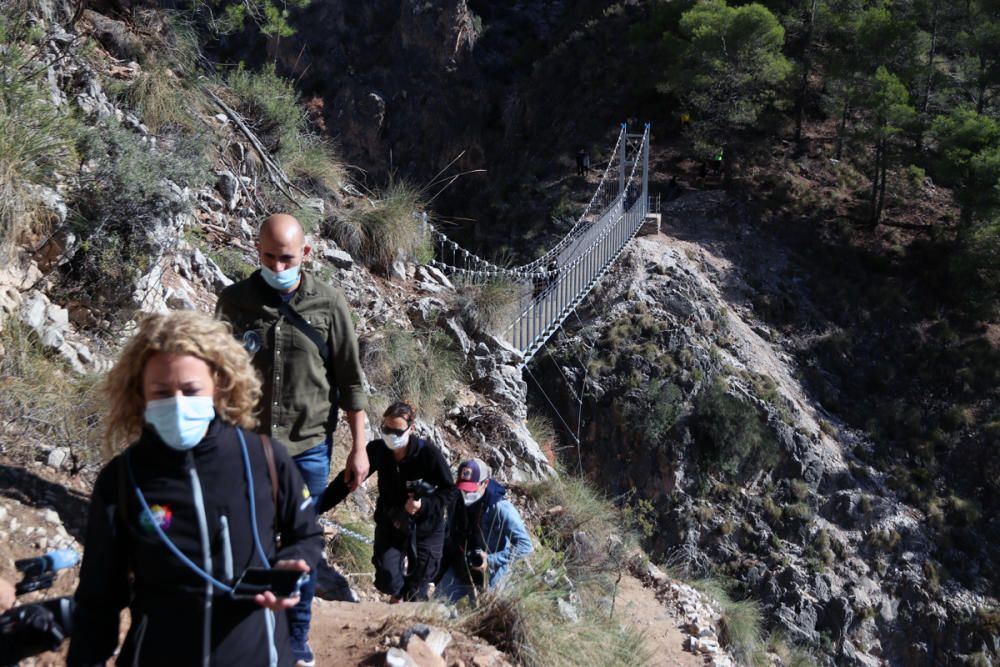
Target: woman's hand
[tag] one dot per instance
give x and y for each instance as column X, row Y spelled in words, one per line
column 269, row 601
column 412, row 506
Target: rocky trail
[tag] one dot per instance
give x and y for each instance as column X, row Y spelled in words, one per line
column 347, row 633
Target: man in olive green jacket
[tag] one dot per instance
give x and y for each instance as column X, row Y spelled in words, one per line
column 285, row 318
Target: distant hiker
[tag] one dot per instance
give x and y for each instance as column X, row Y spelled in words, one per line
column 415, row 491
column 582, row 162
column 553, row 271
column 299, row 332
column 196, row 500
column 486, row 534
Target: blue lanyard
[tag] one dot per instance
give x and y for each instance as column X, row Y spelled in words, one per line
column 191, row 565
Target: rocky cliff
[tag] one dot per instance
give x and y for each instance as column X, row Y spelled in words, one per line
column 691, row 402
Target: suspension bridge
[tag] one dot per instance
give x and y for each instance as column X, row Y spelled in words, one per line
column 552, row 286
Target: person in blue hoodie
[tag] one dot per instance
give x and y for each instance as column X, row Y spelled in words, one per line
column 486, row 535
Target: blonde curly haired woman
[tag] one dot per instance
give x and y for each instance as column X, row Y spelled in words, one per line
column 192, row 503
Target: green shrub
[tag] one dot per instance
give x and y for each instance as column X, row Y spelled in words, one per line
column 415, row 366
column 655, row 411
column 233, row 263
column 385, row 227
column 270, row 105
column 730, row 433
column 41, row 395
column 122, row 203
column 884, row 540
column 740, row 628
column 349, row 553
column 35, row 135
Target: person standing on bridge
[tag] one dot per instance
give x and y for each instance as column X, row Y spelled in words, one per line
column 300, row 334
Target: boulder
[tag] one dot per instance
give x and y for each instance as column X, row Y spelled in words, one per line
column 338, row 257
column 229, row 187
column 457, row 332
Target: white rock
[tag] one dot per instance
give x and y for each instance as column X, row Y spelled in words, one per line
column 397, row 657
column 58, row 457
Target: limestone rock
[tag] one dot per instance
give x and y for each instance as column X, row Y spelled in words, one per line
column 58, row 458
column 338, row 257
column 229, row 187
column 423, row 654
column 397, row 657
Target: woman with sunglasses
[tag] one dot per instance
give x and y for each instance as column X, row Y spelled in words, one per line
column 415, row 488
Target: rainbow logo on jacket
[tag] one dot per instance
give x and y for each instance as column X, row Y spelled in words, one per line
column 161, row 515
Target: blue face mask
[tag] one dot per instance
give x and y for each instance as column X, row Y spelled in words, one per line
column 283, row 280
column 181, row 421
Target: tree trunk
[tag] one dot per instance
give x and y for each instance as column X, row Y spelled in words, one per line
column 876, row 179
column 925, row 103
column 800, row 101
column 842, row 129
column 881, row 189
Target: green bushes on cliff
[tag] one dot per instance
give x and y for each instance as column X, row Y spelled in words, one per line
column 120, row 206
column 731, row 434
column 36, row 138
column 415, row 366
column 39, row 395
column 272, row 108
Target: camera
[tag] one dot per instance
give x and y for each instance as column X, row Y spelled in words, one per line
column 474, row 559
column 418, row 488
column 34, row 628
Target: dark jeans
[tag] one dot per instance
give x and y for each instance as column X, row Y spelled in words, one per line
column 422, row 556
column 314, row 466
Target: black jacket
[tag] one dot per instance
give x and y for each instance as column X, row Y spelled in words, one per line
column 422, row 461
column 178, row 619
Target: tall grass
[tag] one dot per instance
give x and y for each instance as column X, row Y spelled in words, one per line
column 35, row 136
column 386, row 227
column 741, row 626
column 489, row 307
column 419, row 367
column 524, row 620
column 585, row 547
column 352, row 555
column 40, row 396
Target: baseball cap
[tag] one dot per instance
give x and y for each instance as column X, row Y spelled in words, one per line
column 471, row 473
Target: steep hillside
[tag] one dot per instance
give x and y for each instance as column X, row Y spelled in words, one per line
column 695, row 405
column 155, row 177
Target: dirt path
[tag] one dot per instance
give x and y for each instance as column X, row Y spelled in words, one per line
column 345, row 633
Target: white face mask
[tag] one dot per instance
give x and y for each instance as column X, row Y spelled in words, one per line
column 471, row 498
column 393, row 441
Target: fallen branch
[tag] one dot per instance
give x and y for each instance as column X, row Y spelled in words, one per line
column 274, row 171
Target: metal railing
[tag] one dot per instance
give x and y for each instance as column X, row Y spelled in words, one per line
column 553, row 285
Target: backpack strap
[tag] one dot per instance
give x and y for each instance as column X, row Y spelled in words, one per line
column 272, row 470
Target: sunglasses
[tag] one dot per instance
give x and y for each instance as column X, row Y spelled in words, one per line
column 394, row 431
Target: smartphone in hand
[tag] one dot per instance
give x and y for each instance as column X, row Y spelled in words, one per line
column 256, row 580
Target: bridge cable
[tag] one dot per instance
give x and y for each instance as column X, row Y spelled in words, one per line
column 551, row 404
